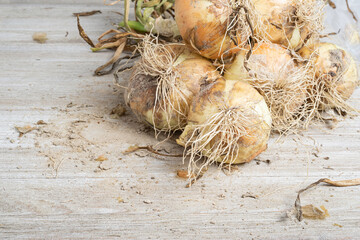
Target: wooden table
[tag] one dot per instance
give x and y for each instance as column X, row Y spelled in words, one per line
column 52, row 187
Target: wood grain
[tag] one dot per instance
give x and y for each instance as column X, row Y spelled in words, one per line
column 80, row 201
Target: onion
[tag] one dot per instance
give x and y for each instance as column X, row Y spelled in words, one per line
column 286, row 22
column 206, row 26
column 336, row 74
column 228, row 122
column 283, row 83
column 163, row 83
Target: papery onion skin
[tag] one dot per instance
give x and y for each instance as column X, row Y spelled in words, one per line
column 203, row 24
column 335, row 68
column 236, row 96
column 142, row 94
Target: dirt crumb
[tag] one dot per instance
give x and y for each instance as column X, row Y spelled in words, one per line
column 101, row 158
column 118, row 111
column 24, row 130
column 41, row 122
column 40, row 37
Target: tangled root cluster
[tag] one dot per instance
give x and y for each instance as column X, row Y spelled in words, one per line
column 157, row 63
column 286, row 93
column 218, row 138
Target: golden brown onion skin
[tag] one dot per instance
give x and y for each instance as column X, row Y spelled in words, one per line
column 334, row 67
column 141, row 95
column 236, row 96
column 202, row 25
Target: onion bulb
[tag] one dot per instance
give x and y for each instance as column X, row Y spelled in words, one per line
column 283, row 83
column 228, row 122
column 209, row 26
column 286, row 22
column 164, row 82
column 336, row 75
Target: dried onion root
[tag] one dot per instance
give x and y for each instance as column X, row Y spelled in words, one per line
column 282, row 82
column 163, row 83
column 335, row 75
column 229, row 122
column 289, row 23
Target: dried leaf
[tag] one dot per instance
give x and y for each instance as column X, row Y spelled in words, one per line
column 82, row 33
column 344, row 183
column 113, row 61
column 131, row 149
column 40, row 37
column 249, row 195
column 332, row 4
column 337, row 225
column 184, row 174
column 101, row 158
column 120, row 200
column 312, row 212
column 41, row 122
column 82, row 14
column 25, row 129
column 350, row 11
column 150, row 149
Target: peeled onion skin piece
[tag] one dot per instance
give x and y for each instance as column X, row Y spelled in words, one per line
column 335, row 69
column 202, row 25
column 141, row 95
column 244, row 117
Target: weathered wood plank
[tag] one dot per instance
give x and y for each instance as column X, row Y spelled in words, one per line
column 51, row 186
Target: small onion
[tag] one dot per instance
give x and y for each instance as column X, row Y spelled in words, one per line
column 283, row 83
column 164, row 82
column 228, row 122
column 336, row 74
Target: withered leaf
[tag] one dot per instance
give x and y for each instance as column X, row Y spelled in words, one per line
column 25, row 129
column 82, row 14
column 83, row 34
column 312, row 212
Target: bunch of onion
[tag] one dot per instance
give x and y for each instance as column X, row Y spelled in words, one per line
column 228, row 122
column 212, row 27
column 163, row 83
column 286, row 22
column 282, row 81
column 335, row 75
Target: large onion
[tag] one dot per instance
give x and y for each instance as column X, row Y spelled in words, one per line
column 283, row 83
column 228, row 122
column 205, row 26
column 287, row 22
column 164, row 82
column 336, row 74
